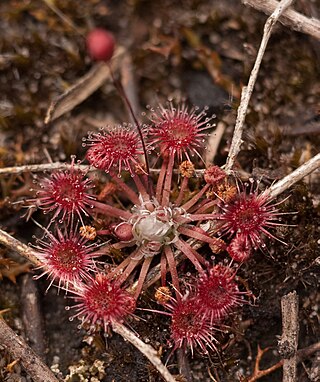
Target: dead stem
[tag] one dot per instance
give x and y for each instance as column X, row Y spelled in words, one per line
column 31, row 314
column 64, row 166
column 247, row 90
column 41, row 168
column 145, row 349
column 129, row 83
column 83, row 88
column 19, row 350
column 288, row 344
column 63, row 17
column 275, row 190
column 17, row 246
column 298, row 174
column 290, row 17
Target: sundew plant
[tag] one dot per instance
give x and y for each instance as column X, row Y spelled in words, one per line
column 159, row 184
column 181, row 229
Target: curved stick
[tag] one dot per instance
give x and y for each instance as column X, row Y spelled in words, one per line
column 18, row 349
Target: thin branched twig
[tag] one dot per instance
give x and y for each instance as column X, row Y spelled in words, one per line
column 58, row 166
column 289, row 17
column 247, row 90
column 298, row 174
column 16, row 170
column 258, row 373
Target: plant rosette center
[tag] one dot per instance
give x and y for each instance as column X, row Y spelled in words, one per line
column 67, row 193
column 177, row 134
column 154, row 226
column 247, row 219
column 68, row 256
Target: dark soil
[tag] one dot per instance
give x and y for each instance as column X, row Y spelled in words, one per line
column 202, row 51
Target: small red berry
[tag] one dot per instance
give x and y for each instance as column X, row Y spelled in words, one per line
column 214, row 175
column 100, row 44
column 123, row 231
column 102, row 301
column 240, row 248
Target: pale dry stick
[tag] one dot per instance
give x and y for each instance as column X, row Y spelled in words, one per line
column 16, row 245
column 57, row 166
column 63, row 17
column 19, row 350
column 145, row 349
column 83, row 88
column 31, row 315
column 298, row 174
column 42, row 168
column 289, row 17
column 288, row 344
column 247, row 90
column 275, row 190
column 129, row 84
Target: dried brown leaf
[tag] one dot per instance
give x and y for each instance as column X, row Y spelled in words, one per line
column 11, row 269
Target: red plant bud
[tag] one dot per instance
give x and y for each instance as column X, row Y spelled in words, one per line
column 214, row 175
column 100, row 44
column 123, row 231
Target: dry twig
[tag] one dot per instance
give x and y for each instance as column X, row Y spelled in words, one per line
column 275, row 190
column 298, row 174
column 41, row 168
column 128, row 82
column 247, row 90
column 290, row 17
column 63, row 17
column 145, row 349
column 58, row 166
column 32, row 316
column 288, row 344
column 257, row 372
column 19, row 350
column 83, row 88
column 16, row 245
